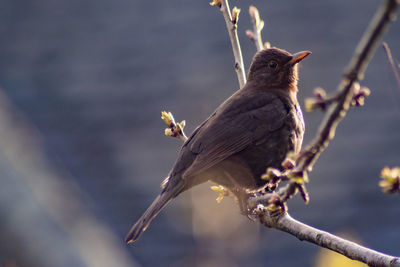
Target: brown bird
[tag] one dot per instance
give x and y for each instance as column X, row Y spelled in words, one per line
column 252, row 130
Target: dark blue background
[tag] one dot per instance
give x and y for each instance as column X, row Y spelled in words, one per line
column 82, row 150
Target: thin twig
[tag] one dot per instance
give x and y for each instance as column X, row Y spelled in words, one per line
column 392, row 63
column 258, row 25
column 321, row 101
column 324, row 239
column 232, row 30
column 175, row 129
column 313, row 103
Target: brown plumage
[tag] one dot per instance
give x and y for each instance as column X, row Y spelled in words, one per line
column 252, row 130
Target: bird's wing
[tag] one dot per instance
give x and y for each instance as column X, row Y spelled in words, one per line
column 241, row 121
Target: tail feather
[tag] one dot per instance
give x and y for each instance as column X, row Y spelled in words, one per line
column 141, row 225
column 171, row 190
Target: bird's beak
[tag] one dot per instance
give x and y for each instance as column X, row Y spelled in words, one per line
column 296, row 58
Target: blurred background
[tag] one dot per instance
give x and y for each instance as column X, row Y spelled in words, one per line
column 82, row 149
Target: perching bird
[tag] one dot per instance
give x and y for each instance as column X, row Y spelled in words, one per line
column 252, row 130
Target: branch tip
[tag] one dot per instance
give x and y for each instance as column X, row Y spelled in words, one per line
column 390, row 182
column 304, row 194
column 253, row 11
column 235, row 15
column 216, row 3
column 395, row 70
column 250, row 34
column 289, row 162
column 175, row 129
column 258, row 25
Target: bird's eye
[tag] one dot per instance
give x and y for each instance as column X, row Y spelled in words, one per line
column 272, row 64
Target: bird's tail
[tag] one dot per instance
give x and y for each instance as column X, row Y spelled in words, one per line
column 158, row 204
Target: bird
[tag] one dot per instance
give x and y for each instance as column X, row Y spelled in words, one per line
column 252, row 130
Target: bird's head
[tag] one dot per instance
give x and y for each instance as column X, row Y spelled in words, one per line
column 276, row 68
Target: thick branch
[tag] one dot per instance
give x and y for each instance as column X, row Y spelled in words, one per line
column 324, row 239
column 237, row 52
column 355, row 72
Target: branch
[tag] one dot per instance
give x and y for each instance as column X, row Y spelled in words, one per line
column 324, row 239
column 258, row 25
column 392, row 64
column 231, row 25
column 355, row 72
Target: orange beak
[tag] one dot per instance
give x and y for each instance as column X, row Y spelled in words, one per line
column 296, row 58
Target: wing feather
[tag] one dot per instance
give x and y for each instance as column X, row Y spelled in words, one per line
column 241, row 121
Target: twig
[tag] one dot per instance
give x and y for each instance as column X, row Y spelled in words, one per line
column 392, row 64
column 175, row 129
column 324, row 239
column 321, row 101
column 315, row 103
column 231, row 25
column 355, row 72
column 258, row 25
